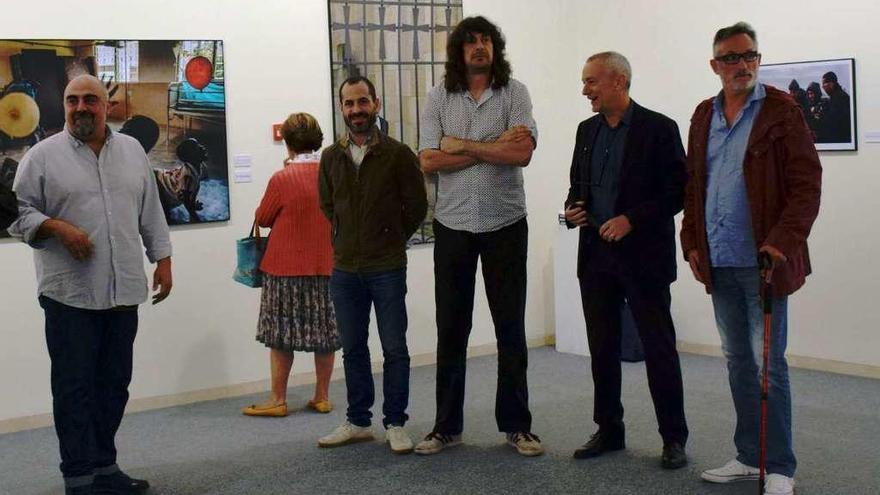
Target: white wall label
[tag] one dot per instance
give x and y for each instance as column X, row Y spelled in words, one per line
column 872, row 137
column 242, row 160
column 242, row 175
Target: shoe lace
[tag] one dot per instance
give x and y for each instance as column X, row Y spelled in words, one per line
column 524, row 435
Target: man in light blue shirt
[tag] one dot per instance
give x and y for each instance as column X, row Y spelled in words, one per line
column 754, row 186
column 87, row 201
column 728, row 218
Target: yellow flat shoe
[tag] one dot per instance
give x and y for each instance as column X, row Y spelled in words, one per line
column 321, row 406
column 278, row 411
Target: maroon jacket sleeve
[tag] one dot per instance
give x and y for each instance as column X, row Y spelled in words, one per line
column 689, row 229
column 803, row 184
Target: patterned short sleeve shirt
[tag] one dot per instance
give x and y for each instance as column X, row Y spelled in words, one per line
column 484, row 197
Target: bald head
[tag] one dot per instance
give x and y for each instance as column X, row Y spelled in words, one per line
column 88, row 83
column 85, row 108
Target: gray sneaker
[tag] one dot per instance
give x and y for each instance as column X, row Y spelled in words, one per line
column 398, row 439
column 435, row 442
column 345, row 434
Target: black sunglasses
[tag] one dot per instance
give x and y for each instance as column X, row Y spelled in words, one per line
column 734, row 58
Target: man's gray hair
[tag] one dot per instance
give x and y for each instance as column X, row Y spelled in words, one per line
column 616, row 62
column 731, row 31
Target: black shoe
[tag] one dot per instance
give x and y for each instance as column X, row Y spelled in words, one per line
column 79, row 490
column 600, row 443
column 119, row 483
column 673, row 456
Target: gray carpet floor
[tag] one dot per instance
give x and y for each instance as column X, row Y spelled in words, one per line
column 210, row 448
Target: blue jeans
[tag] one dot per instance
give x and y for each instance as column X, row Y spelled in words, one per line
column 91, row 354
column 353, row 294
column 740, row 319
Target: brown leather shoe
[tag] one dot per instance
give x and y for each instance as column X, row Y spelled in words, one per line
column 321, row 406
column 278, row 411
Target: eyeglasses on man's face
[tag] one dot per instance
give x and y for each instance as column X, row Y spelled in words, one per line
column 734, row 58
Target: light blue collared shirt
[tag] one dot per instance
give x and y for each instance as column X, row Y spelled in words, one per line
column 728, row 215
column 112, row 197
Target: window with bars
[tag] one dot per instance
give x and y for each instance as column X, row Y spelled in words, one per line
column 401, row 47
column 117, row 60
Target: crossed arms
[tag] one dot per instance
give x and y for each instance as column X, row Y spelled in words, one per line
column 513, row 148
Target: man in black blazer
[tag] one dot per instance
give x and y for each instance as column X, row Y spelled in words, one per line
column 627, row 184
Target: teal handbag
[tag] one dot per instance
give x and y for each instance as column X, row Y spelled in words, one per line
column 249, row 254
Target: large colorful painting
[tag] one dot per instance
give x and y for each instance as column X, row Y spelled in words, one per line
column 400, row 45
column 168, row 94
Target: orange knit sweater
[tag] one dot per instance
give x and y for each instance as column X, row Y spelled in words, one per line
column 300, row 240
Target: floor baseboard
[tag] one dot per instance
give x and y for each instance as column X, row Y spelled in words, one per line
column 149, row 403
column 795, row 361
column 426, row 359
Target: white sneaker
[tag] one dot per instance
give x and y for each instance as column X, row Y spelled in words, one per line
column 435, row 442
column 527, row 444
column 398, row 439
column 730, row 472
column 778, row 484
column 345, row 434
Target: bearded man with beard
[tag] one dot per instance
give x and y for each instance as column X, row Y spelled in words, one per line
column 373, row 193
column 87, row 203
column 754, row 181
column 477, row 134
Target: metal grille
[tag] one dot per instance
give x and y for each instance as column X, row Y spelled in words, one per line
column 401, row 47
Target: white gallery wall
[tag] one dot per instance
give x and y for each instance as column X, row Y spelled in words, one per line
column 276, row 54
column 835, row 316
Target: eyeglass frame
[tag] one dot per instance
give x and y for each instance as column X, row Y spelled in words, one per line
column 734, row 58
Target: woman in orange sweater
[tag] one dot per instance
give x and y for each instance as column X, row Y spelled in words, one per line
column 296, row 313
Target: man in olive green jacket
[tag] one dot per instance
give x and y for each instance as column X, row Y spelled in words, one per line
column 373, row 193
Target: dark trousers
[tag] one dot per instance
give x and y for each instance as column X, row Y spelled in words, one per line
column 602, row 295
column 503, row 257
column 91, row 354
column 353, row 294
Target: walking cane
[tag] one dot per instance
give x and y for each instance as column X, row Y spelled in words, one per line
column 765, row 263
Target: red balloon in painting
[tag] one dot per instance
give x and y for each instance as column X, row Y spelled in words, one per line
column 199, row 72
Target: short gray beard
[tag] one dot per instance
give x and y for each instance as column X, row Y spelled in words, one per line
column 83, row 127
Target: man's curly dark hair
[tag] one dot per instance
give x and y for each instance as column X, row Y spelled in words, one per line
column 456, row 70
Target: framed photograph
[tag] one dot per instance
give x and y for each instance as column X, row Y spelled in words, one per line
column 826, row 90
column 167, row 94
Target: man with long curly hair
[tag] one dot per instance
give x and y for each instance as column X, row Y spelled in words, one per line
column 477, row 134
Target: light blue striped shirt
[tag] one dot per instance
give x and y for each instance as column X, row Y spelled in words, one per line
column 728, row 215
column 113, row 198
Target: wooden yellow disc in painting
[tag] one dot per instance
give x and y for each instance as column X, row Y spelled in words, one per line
column 19, row 115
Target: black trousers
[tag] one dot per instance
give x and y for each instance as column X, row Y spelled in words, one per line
column 503, row 257
column 602, row 295
column 91, row 354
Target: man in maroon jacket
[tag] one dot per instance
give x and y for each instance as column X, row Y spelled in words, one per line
column 754, row 182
